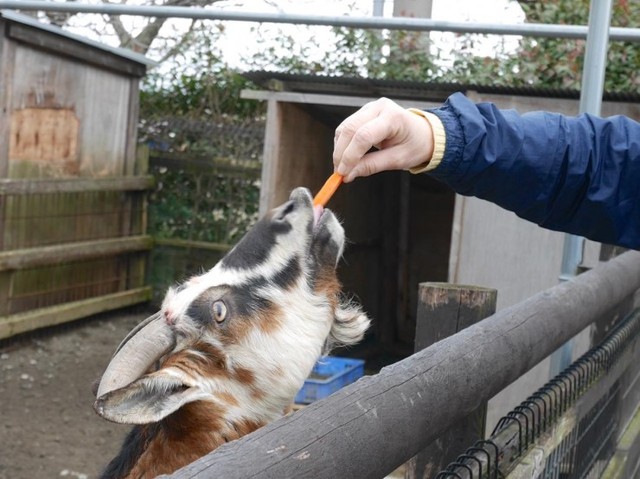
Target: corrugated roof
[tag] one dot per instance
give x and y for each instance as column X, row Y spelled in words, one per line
column 32, row 22
column 413, row 90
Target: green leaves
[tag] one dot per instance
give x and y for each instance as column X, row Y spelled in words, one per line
column 401, row 55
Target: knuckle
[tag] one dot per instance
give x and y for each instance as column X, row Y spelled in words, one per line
column 364, row 136
column 347, row 128
column 366, row 169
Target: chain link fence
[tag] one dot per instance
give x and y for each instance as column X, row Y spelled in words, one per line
column 207, row 187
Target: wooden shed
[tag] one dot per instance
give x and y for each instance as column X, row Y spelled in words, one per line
column 72, row 216
column 405, row 229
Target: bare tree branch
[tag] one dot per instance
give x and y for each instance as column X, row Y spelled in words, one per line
column 118, row 27
column 142, row 41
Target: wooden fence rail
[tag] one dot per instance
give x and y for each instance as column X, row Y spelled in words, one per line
column 48, row 255
column 74, row 185
column 59, row 314
column 369, row 428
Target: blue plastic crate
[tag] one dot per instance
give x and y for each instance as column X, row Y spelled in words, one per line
column 328, row 375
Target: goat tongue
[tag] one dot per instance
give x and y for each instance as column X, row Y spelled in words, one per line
column 317, row 213
column 147, row 343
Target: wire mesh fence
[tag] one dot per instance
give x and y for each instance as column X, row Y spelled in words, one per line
column 203, row 199
column 74, row 281
column 207, row 172
column 568, row 429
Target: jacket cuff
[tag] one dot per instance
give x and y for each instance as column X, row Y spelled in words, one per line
column 454, row 140
column 439, row 141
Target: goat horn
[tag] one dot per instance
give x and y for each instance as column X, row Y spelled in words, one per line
column 143, row 346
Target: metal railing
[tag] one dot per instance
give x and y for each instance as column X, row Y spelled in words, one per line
column 396, row 23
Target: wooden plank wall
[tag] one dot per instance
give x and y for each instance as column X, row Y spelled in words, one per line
column 72, row 210
column 91, row 105
column 398, row 226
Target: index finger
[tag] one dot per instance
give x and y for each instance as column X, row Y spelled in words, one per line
column 349, row 126
column 357, row 134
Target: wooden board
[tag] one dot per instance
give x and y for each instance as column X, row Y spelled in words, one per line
column 57, row 44
column 98, row 99
column 58, row 254
column 62, row 185
column 45, row 135
column 444, row 310
column 297, row 152
column 39, row 318
column 7, row 62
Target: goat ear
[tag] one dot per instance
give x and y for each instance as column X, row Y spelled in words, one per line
column 148, row 399
column 349, row 325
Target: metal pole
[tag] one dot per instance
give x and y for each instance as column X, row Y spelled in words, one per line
column 395, row 23
column 593, row 73
column 595, row 60
column 378, row 8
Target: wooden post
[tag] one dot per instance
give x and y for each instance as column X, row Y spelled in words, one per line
column 137, row 264
column 7, row 65
column 443, row 310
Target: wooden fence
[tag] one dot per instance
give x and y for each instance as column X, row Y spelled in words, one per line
column 369, row 428
column 70, row 248
column 73, row 247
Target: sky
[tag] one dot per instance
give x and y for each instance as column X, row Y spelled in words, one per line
column 240, row 37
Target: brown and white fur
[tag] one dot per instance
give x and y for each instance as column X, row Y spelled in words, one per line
column 234, row 345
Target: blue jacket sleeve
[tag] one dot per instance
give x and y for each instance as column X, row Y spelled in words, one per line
column 580, row 175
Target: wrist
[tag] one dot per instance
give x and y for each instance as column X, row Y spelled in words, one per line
column 439, row 141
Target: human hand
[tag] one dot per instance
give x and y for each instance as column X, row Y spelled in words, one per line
column 403, row 140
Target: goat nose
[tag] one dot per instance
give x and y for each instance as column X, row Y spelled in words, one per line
column 168, row 317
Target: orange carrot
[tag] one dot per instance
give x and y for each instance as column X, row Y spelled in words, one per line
column 328, row 189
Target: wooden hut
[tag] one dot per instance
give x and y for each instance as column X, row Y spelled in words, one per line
column 405, row 229
column 72, row 217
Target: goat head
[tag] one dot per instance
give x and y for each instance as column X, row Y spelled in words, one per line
column 230, row 348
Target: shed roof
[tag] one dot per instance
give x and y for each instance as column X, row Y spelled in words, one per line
column 410, row 90
column 31, row 23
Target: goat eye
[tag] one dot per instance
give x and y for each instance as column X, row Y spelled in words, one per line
column 219, row 311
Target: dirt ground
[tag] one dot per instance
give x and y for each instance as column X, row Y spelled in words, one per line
column 48, row 428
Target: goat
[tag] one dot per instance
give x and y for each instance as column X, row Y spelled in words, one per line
column 233, row 345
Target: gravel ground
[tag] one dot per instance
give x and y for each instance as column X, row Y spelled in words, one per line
column 48, row 428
